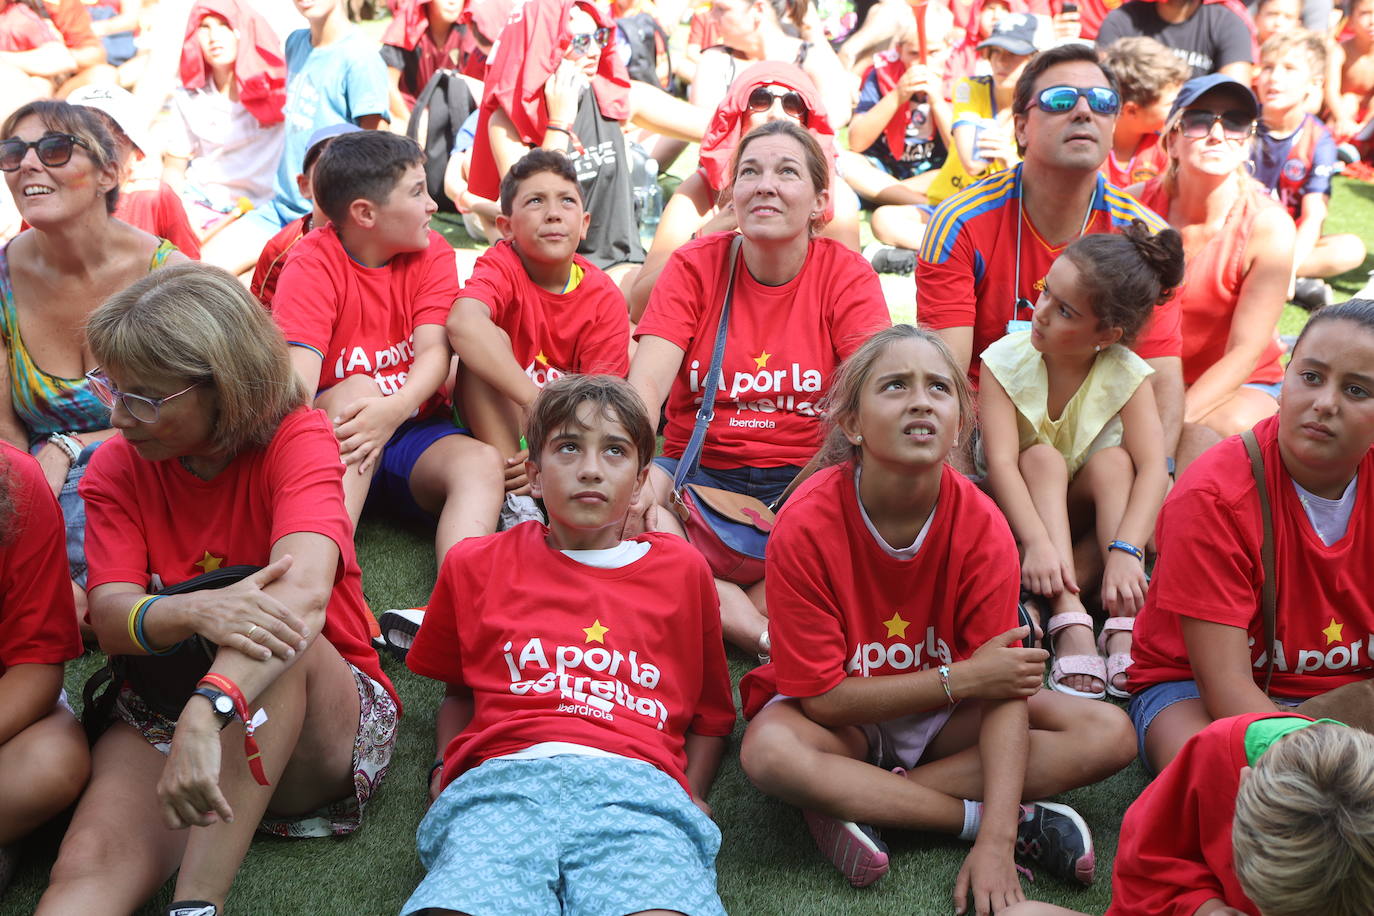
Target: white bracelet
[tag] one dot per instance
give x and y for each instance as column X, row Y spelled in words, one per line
column 69, row 446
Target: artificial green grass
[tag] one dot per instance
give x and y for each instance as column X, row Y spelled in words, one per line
column 767, row 863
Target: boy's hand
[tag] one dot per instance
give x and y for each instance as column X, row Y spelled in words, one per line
column 995, row 145
column 517, row 480
column 991, row 877
column 363, row 428
column 915, row 79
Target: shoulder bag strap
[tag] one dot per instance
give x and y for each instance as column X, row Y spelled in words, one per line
column 691, row 456
column 1269, row 590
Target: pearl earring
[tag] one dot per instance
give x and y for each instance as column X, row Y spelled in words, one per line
column 858, row 440
column 1097, row 349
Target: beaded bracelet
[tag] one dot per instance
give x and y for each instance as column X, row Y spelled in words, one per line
column 944, row 682
column 1125, row 547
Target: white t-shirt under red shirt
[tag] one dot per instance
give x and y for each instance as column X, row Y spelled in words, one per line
column 624, row 660
column 1209, row 534
column 585, row 330
column 154, row 524
column 362, row 320
column 37, row 616
column 840, row 605
column 784, row 344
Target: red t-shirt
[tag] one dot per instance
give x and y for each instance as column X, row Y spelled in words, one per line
column 154, row 524
column 966, row 269
column 159, row 211
column 1148, row 161
column 21, row 29
column 362, row 320
column 1175, row 850
column 273, row 259
column 74, row 22
column 1209, row 535
column 37, row 615
column 783, row 345
column 551, row 334
column 626, row 660
column 840, row 606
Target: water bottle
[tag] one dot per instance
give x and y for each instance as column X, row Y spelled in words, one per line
column 648, row 203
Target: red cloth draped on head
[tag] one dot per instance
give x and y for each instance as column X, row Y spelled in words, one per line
column 487, row 17
column 409, row 21
column 525, row 56
column 726, row 128
column 259, row 71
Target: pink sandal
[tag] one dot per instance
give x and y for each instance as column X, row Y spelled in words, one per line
column 1118, row 662
column 1065, row 665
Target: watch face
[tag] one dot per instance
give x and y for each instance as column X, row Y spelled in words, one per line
column 224, row 706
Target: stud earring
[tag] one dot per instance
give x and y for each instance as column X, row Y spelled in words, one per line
column 1097, row 349
column 858, row 440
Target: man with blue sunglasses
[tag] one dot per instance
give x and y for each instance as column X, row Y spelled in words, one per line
column 987, row 249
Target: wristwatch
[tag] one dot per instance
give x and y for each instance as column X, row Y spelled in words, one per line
column 220, row 703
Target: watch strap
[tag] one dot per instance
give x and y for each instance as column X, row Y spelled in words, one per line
column 214, row 697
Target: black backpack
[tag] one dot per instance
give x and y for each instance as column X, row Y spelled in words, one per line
column 642, row 34
column 442, row 105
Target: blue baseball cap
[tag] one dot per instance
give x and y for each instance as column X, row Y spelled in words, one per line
column 1199, row 86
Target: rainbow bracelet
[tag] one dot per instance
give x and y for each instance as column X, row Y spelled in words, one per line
column 141, row 610
column 133, row 619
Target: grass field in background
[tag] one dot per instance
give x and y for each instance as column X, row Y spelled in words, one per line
column 767, row 862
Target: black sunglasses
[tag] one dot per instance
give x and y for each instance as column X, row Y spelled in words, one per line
column 581, row 44
column 53, row 149
column 793, row 105
column 1196, row 123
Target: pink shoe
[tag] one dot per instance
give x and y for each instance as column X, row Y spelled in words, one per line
column 854, row 849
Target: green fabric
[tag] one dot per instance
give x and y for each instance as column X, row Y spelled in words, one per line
column 1262, row 734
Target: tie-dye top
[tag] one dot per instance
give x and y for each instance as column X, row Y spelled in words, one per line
column 45, row 403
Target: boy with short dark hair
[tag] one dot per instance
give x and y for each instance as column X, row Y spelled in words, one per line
column 533, row 309
column 587, row 698
column 1294, row 156
column 362, row 303
column 1150, row 75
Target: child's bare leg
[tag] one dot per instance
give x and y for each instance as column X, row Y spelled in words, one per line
column 901, row 225
column 1333, row 255
column 458, row 479
column 1171, row 728
column 1036, row 908
column 1105, row 480
column 356, row 483
column 494, row 419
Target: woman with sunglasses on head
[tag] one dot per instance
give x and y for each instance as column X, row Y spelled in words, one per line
column 555, row 80
column 800, row 305
column 60, row 164
column 220, row 462
column 1239, row 246
column 767, row 91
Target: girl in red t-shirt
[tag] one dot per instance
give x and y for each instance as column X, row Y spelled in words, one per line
column 1071, row 431
column 1201, row 652
column 897, row 692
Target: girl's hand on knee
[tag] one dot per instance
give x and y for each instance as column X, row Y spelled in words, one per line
column 1123, row 585
column 999, row 669
column 991, row 877
column 1043, row 572
column 188, row 792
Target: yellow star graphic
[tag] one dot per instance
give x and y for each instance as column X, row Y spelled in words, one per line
column 210, row 563
column 596, row 632
column 1333, row 631
column 896, row 626
column 762, row 359
column 543, row 360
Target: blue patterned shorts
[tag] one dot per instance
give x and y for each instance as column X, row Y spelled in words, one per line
column 566, row 834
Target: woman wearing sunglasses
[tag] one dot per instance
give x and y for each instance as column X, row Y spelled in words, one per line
column 801, row 304
column 767, row 91
column 1239, row 245
column 60, row 163
column 555, row 80
column 219, row 463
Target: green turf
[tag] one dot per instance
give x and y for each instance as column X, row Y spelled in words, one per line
column 767, row 864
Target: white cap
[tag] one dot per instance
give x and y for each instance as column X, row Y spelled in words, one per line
column 119, row 104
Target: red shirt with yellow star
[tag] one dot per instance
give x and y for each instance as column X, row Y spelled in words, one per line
column 37, row 618
column 585, row 329
column 625, row 660
column 1209, row 534
column 839, row 605
column 154, row 524
column 783, row 345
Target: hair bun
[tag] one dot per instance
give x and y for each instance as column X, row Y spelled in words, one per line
column 1162, row 252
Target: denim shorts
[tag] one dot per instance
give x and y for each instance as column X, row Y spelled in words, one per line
column 764, row 484
column 1270, row 388
column 74, row 514
column 566, row 834
column 1152, row 701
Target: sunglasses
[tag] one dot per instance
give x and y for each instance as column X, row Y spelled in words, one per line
column 53, row 150
column 144, row 410
column 1196, row 123
column 1063, row 99
column 582, row 43
column 793, row 105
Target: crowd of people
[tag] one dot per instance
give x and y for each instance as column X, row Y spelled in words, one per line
column 1091, row 471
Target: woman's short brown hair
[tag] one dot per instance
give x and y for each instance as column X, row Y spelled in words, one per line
column 87, row 124
column 197, row 322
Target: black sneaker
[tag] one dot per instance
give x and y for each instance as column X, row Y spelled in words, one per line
column 399, row 627
column 191, row 908
column 1312, row 294
column 887, row 259
column 1054, row 838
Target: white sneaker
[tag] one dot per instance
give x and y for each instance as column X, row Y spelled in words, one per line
column 399, row 627
column 518, row 509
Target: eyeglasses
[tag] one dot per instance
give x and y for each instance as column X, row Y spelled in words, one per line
column 793, row 105
column 144, row 410
column 53, row 150
column 582, row 43
column 1063, row 99
column 1196, row 123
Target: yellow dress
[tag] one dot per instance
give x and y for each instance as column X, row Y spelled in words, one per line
column 1091, row 419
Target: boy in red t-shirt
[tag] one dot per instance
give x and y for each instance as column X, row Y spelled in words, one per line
column 588, row 700
column 362, row 303
column 533, row 310
column 1150, row 76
